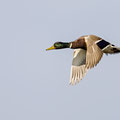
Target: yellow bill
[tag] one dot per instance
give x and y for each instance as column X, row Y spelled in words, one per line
column 51, row 48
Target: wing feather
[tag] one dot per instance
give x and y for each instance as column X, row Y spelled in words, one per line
column 94, row 53
column 78, row 69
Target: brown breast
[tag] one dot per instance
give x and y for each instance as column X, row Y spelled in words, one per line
column 79, row 43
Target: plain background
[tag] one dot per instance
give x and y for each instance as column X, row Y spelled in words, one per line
column 34, row 84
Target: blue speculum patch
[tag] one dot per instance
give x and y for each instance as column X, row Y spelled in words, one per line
column 102, row 44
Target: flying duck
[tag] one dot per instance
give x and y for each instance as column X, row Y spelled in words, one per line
column 88, row 51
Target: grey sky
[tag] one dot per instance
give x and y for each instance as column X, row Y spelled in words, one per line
column 34, row 84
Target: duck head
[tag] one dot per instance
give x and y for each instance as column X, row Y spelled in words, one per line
column 59, row 45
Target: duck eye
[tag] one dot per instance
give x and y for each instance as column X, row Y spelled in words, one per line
column 57, row 44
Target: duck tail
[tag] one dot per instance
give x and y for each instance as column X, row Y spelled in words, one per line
column 116, row 50
column 111, row 49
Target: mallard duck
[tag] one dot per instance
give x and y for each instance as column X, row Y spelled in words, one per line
column 88, row 52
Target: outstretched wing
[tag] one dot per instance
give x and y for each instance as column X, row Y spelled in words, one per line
column 78, row 69
column 94, row 53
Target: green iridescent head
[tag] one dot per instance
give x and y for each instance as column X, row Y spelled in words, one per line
column 59, row 45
